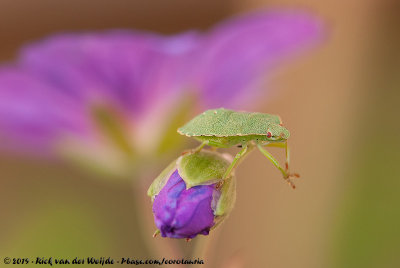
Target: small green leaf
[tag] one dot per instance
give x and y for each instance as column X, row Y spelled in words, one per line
column 161, row 180
column 202, row 168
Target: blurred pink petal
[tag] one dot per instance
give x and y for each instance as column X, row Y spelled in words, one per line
column 235, row 55
column 50, row 93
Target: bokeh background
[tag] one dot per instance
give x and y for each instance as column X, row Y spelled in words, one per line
column 339, row 102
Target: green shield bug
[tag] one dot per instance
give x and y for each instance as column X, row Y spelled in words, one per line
column 225, row 128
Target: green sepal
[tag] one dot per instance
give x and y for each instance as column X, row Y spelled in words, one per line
column 226, row 201
column 202, row 168
column 161, row 180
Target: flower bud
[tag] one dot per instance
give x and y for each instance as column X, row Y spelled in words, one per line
column 185, row 199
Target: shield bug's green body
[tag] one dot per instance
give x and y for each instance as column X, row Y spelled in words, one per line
column 226, row 128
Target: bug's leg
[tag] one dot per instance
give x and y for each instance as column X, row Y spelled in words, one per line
column 235, row 162
column 239, row 156
column 201, row 146
column 198, row 148
column 284, row 172
column 287, row 154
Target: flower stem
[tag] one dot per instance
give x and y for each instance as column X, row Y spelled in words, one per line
column 199, row 250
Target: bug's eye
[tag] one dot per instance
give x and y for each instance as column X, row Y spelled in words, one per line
column 269, row 134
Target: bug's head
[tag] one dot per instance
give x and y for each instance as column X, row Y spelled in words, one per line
column 277, row 133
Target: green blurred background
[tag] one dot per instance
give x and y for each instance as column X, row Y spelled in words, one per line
column 339, row 101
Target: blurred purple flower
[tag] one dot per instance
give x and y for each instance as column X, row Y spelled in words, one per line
column 184, row 213
column 71, row 90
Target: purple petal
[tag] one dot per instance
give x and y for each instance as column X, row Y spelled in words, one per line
column 181, row 213
column 34, row 112
column 235, row 55
column 51, row 90
column 127, row 69
column 48, row 94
